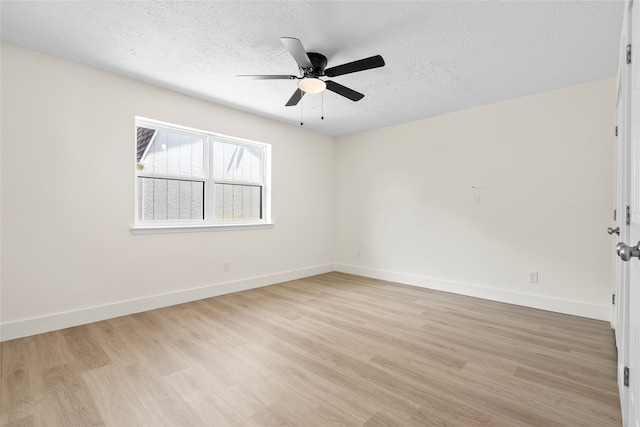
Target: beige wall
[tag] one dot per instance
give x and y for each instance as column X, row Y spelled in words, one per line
column 68, row 199
column 544, row 168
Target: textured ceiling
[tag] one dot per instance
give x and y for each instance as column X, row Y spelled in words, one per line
column 441, row 56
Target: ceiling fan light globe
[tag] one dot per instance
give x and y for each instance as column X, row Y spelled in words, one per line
column 311, row 85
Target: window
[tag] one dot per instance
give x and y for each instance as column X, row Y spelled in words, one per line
column 189, row 179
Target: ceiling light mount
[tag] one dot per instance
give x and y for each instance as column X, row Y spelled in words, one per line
column 310, row 82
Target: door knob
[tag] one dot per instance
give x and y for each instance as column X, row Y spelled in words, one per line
column 613, row 230
column 627, row 252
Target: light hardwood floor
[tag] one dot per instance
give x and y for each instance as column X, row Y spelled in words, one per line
column 328, row 350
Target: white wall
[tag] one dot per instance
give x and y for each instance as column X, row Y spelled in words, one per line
column 68, row 200
column 544, row 168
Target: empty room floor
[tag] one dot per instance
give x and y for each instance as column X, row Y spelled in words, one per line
column 333, row 349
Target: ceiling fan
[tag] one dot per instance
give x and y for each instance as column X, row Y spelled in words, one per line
column 312, row 66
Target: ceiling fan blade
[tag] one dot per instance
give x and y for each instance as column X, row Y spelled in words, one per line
column 295, row 48
column 295, row 98
column 352, row 67
column 266, row 77
column 344, row 91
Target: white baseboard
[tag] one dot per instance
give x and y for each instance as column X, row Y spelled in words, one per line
column 37, row 325
column 575, row 308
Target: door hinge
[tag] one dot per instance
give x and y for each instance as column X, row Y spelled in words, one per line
column 628, row 215
column 616, row 130
column 613, row 298
column 625, row 376
column 615, row 214
column 629, row 54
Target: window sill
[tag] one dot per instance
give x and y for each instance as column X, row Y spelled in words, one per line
column 167, row 229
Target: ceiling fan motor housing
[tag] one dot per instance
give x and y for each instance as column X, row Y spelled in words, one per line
column 319, row 63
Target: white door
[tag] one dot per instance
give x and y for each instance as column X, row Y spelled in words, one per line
column 627, row 319
column 634, row 222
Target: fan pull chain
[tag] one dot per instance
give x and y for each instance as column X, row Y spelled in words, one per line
column 322, row 106
column 301, row 123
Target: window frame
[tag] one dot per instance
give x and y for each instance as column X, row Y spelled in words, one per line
column 209, row 222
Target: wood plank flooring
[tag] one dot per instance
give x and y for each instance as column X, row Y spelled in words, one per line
column 328, row 350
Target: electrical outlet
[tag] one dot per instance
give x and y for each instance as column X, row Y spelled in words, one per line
column 359, row 255
column 475, row 200
column 533, row 277
column 226, row 266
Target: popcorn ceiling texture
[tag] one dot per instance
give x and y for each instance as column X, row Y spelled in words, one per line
column 441, row 56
